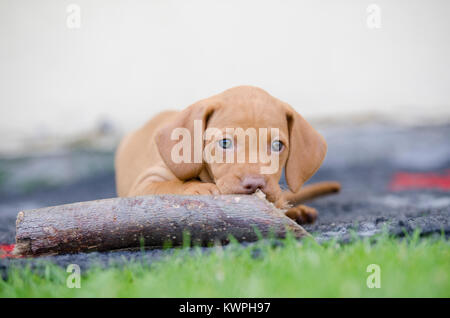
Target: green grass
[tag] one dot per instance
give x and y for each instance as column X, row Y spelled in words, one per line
column 411, row 267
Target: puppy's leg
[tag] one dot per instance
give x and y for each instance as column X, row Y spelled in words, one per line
column 173, row 187
column 302, row 214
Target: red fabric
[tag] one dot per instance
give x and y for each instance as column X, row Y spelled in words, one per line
column 407, row 181
column 6, row 250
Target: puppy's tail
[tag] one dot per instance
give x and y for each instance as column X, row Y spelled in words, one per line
column 312, row 191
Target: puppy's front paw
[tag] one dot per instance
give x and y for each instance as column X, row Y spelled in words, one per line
column 196, row 188
column 302, row 214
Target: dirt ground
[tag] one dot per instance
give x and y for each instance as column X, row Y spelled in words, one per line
column 392, row 177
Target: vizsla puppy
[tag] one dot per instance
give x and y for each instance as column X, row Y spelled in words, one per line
column 148, row 160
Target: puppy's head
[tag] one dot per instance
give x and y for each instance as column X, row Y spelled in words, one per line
column 241, row 140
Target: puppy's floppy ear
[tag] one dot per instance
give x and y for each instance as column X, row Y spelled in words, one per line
column 185, row 119
column 307, row 150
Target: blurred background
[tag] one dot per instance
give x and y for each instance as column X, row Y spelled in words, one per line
column 70, row 67
column 77, row 75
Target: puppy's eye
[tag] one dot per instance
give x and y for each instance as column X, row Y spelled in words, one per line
column 277, row 146
column 225, row 143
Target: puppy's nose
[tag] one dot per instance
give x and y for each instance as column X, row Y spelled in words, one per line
column 252, row 183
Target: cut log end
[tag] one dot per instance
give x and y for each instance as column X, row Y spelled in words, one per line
column 22, row 248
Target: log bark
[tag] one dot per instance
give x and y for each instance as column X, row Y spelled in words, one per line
column 149, row 221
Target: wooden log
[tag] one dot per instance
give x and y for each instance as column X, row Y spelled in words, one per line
column 152, row 221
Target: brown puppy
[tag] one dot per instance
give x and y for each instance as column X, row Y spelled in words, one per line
column 147, row 160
